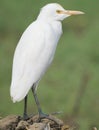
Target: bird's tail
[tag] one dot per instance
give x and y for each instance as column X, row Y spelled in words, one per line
column 18, row 92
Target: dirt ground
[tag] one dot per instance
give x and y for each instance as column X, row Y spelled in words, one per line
column 13, row 122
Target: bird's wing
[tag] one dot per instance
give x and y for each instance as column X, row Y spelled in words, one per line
column 25, row 64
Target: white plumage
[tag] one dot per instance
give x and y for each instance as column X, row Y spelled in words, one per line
column 33, row 55
column 35, row 50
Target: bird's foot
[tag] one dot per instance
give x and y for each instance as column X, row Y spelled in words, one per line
column 42, row 116
column 46, row 116
column 26, row 117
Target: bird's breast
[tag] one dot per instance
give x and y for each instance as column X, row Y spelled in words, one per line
column 52, row 33
column 35, row 52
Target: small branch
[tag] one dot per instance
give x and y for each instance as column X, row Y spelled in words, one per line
column 84, row 81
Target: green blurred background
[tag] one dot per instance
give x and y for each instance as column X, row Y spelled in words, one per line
column 71, row 84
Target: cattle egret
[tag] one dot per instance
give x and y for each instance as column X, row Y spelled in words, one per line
column 35, row 51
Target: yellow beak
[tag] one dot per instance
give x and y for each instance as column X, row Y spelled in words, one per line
column 70, row 12
column 73, row 12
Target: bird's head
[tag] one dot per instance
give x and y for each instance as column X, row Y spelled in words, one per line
column 54, row 11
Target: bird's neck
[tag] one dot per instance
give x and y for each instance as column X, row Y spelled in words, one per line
column 45, row 18
column 54, row 24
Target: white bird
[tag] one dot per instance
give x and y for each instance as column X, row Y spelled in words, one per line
column 35, row 51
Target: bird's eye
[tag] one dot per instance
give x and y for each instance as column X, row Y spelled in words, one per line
column 58, row 11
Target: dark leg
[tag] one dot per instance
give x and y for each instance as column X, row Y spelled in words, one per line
column 25, row 116
column 41, row 114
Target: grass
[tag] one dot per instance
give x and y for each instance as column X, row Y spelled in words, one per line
column 77, row 52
